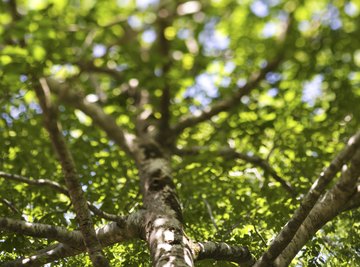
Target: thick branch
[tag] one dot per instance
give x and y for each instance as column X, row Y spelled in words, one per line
column 95, row 112
column 325, row 210
column 165, row 111
column 144, row 119
column 59, row 188
column 77, row 196
column 354, row 202
column 164, row 47
column 60, row 234
column 223, row 252
column 290, row 229
column 231, row 153
column 108, row 235
column 13, row 10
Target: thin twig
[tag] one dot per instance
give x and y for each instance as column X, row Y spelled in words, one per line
column 208, row 207
column 39, row 182
column 257, row 232
column 232, row 153
column 10, row 205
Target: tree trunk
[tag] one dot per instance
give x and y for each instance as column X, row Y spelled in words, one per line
column 163, row 229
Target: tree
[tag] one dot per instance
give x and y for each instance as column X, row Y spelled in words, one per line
column 133, row 132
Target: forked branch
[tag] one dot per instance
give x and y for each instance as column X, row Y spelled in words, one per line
column 95, row 112
column 326, row 209
column 234, row 99
column 289, row 230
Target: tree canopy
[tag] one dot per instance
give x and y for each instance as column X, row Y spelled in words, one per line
column 179, row 133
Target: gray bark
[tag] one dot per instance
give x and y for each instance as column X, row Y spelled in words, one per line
column 291, row 228
column 164, row 233
column 71, row 178
column 73, row 242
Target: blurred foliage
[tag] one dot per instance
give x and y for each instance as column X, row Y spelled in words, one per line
column 299, row 117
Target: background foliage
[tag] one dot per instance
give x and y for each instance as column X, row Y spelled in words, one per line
column 298, row 118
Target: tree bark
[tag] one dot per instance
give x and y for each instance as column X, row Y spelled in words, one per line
column 107, row 235
column 287, row 233
column 163, row 229
column 325, row 210
column 71, row 178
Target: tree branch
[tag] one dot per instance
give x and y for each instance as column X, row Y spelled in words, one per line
column 165, row 111
column 143, row 119
column 105, row 215
column 39, row 182
column 223, row 252
column 106, row 122
column 108, row 235
column 228, row 102
column 233, row 100
column 291, row 227
column 10, row 205
column 208, row 207
column 325, row 210
column 354, row 202
column 77, row 196
column 231, row 153
column 59, row 188
column 89, row 66
column 13, row 10
column 60, row 234
column 43, row 256
column 164, row 47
